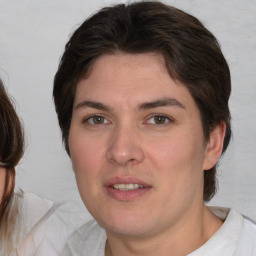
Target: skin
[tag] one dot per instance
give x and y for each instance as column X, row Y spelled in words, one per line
column 147, row 127
column 2, row 181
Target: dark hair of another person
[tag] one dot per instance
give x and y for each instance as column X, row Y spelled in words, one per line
column 11, row 146
column 191, row 52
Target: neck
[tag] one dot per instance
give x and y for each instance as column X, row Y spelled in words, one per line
column 182, row 239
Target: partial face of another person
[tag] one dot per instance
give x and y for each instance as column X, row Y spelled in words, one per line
column 137, row 145
column 2, row 181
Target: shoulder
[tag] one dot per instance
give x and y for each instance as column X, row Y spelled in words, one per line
column 23, row 212
column 33, row 208
column 236, row 236
column 89, row 239
column 241, row 229
column 29, row 210
column 247, row 240
column 52, row 226
column 249, row 226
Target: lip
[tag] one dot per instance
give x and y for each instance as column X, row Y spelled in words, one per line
column 126, row 195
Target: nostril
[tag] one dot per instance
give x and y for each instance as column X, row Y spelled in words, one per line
column 124, row 147
column 123, row 157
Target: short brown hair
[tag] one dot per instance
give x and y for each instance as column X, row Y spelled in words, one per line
column 192, row 56
column 11, row 145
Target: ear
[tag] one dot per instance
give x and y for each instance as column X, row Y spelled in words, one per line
column 214, row 146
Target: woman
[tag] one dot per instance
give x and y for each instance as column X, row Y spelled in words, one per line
column 142, row 94
column 29, row 225
column 11, row 150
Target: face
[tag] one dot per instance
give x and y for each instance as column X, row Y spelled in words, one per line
column 137, row 145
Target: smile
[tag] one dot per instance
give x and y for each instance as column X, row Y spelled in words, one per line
column 127, row 187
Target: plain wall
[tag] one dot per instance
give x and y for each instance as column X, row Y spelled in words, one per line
column 32, row 39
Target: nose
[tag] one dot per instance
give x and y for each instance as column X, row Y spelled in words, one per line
column 125, row 147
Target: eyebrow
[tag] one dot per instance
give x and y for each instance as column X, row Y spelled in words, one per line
column 144, row 106
column 92, row 104
column 161, row 103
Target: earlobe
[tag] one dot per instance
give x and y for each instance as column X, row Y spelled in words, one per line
column 214, row 146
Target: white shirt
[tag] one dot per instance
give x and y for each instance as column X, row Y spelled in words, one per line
column 48, row 226
column 236, row 237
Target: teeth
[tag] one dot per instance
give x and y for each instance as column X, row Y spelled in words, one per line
column 127, row 186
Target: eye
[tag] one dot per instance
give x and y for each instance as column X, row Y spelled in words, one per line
column 159, row 119
column 96, row 120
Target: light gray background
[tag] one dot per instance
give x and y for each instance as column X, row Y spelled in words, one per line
column 32, row 37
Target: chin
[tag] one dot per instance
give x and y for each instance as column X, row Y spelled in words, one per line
column 126, row 224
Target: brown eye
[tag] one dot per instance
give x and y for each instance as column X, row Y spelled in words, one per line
column 96, row 120
column 159, row 119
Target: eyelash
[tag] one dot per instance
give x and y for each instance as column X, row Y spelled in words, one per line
column 93, row 117
column 167, row 120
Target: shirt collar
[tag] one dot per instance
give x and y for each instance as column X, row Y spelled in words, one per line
column 225, row 240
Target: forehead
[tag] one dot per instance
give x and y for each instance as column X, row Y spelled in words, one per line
column 145, row 61
column 130, row 78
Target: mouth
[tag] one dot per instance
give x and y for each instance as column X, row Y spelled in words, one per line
column 126, row 189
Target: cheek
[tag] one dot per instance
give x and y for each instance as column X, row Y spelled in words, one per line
column 84, row 150
column 178, row 163
column 177, row 151
column 85, row 156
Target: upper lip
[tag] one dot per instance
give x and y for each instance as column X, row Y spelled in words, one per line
column 125, row 180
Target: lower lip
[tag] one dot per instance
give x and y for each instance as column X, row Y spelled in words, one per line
column 127, row 195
